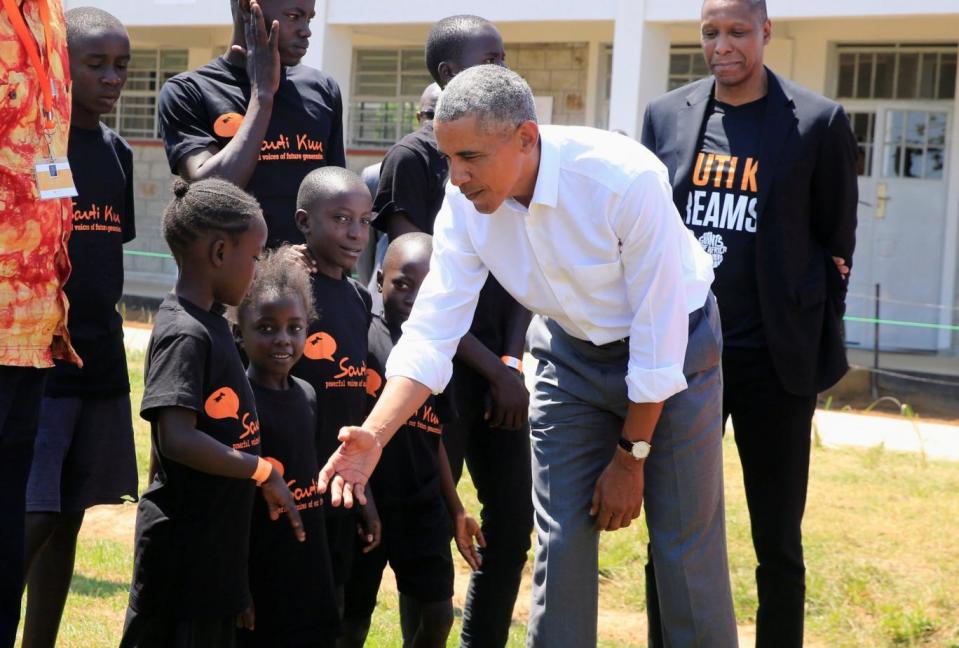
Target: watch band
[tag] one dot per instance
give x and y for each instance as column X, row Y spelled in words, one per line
column 512, row 363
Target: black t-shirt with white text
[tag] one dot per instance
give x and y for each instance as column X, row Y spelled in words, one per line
column 291, row 581
column 191, row 552
column 103, row 220
column 721, row 212
column 408, row 472
column 206, row 106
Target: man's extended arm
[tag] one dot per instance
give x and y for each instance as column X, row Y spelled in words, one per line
column 420, row 363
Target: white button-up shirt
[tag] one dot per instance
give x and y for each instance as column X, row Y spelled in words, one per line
column 601, row 250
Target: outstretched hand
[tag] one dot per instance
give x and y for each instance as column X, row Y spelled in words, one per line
column 348, row 469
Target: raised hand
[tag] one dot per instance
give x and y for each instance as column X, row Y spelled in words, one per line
column 262, row 52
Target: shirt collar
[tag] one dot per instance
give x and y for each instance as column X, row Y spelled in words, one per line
column 547, row 178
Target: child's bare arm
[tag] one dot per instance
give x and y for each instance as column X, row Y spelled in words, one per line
column 465, row 526
column 453, row 503
column 178, row 439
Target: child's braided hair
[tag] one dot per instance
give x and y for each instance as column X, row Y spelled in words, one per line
column 204, row 206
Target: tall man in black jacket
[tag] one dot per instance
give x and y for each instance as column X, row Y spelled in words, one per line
column 763, row 172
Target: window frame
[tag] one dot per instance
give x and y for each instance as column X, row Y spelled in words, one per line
column 897, row 50
column 693, row 51
column 403, row 106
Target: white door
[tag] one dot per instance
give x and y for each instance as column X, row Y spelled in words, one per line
column 902, row 223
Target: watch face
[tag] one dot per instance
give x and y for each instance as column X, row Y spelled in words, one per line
column 641, row 449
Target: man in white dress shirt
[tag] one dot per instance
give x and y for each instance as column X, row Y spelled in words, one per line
column 579, row 226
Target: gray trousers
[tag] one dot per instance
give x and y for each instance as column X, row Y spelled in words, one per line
column 576, row 417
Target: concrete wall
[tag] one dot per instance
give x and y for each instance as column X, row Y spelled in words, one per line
column 557, row 70
column 153, row 276
column 148, row 275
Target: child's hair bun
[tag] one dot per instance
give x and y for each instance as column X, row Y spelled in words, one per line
column 180, row 187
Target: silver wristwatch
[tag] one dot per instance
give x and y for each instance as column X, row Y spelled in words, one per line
column 637, row 449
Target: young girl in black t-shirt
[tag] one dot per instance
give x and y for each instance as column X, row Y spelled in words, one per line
column 294, row 602
column 191, row 547
column 333, row 213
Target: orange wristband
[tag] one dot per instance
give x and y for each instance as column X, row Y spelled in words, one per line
column 262, row 472
column 512, row 363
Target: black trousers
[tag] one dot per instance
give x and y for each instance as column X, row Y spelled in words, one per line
column 21, row 390
column 499, row 463
column 773, row 431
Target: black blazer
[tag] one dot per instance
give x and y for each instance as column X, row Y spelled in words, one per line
column 807, row 202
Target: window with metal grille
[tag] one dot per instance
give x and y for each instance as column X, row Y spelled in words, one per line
column 387, row 84
column 864, row 128
column 134, row 116
column 897, row 71
column 686, row 64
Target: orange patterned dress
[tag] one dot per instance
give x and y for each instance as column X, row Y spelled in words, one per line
column 34, row 265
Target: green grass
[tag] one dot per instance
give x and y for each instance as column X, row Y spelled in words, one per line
column 882, row 552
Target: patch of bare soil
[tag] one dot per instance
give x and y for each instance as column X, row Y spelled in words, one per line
column 110, row 522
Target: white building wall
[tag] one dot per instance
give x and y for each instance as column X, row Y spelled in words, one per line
column 162, row 13
column 369, row 12
column 678, row 10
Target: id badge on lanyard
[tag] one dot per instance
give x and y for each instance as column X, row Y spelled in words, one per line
column 53, row 174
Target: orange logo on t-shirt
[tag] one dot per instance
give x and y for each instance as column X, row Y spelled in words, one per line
column 320, row 346
column 373, row 382
column 228, row 124
column 222, row 403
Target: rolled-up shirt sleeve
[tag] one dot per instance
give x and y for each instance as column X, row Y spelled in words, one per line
column 650, row 233
column 444, row 306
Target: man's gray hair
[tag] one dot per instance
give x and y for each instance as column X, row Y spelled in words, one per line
column 495, row 94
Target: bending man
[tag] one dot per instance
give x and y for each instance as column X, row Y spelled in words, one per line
column 578, row 225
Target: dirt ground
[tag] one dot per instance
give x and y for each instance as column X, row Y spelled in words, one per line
column 617, row 624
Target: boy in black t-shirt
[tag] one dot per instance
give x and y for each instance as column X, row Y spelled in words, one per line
column 83, row 455
column 333, row 213
column 417, row 497
column 294, row 602
column 191, row 548
column 256, row 116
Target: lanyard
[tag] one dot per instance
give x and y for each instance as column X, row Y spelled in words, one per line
column 30, row 45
